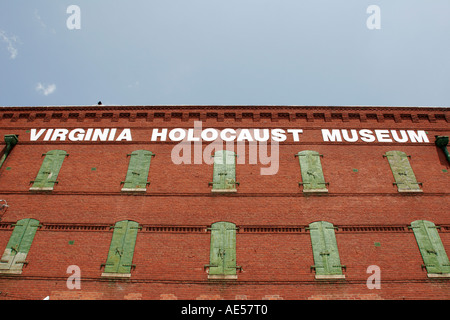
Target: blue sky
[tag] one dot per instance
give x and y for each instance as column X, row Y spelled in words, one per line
column 211, row 52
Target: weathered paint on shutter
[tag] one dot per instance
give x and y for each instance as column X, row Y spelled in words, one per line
column 311, row 170
column 325, row 250
column 121, row 250
column 19, row 245
column 402, row 171
column 223, row 249
column 224, row 173
column 48, row 173
column 128, row 247
column 431, row 248
column 137, row 173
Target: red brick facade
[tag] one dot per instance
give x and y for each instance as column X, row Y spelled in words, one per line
column 273, row 244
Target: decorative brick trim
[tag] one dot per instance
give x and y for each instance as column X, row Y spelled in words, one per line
column 15, row 117
column 75, row 227
column 244, row 229
column 31, row 117
column 81, row 117
column 362, row 117
column 6, row 226
column 237, row 113
column 98, row 117
column 350, row 229
column 431, row 118
column 115, row 117
column 447, row 117
column 275, row 117
column 47, row 117
column 271, row 229
column 175, row 229
column 345, row 117
column 380, row 118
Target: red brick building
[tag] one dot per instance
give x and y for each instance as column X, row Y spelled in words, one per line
column 312, row 203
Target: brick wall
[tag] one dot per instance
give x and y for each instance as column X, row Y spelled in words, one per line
column 273, row 245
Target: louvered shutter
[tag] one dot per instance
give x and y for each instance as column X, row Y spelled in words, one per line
column 325, row 250
column 431, row 248
column 18, row 245
column 137, row 173
column 48, row 173
column 120, row 255
column 311, row 169
column 402, row 171
column 224, row 172
column 223, row 249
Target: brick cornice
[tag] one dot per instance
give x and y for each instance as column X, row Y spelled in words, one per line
column 221, row 107
column 274, row 113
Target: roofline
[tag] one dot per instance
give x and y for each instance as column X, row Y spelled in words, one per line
column 218, row 107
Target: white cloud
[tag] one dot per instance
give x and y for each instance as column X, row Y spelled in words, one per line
column 11, row 42
column 41, row 22
column 45, row 89
column 135, row 84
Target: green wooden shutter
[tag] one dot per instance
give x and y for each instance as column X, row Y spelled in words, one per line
column 121, row 250
column 224, row 173
column 402, row 171
column 311, row 170
column 222, row 260
column 431, row 247
column 325, row 250
column 48, row 174
column 18, row 246
column 137, row 174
